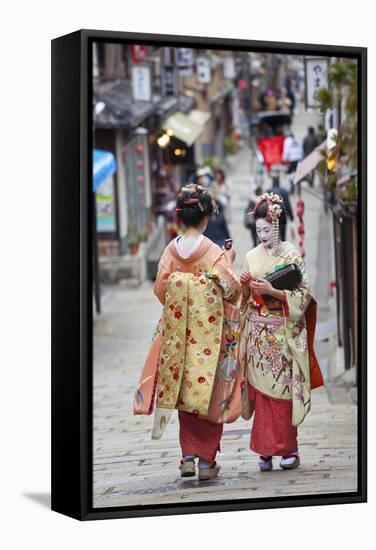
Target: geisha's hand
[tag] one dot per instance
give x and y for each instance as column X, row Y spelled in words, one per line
column 261, row 286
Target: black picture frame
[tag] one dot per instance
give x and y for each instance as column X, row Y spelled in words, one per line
column 72, row 278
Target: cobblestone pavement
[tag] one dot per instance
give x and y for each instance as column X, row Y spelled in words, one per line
column 132, row 469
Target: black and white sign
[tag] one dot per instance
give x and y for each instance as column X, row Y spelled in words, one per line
column 169, row 80
column 141, row 83
column 316, row 77
column 185, row 60
column 203, row 70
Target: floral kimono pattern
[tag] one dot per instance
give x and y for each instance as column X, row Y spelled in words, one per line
column 273, row 347
column 197, row 364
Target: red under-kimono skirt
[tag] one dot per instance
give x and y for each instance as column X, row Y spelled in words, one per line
column 272, row 431
column 199, row 437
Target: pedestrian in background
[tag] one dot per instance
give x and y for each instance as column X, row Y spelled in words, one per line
column 220, row 191
column 277, row 189
column 291, row 96
column 310, row 143
column 292, row 154
column 269, row 100
column 217, row 228
column 249, row 221
column 321, row 134
column 284, row 103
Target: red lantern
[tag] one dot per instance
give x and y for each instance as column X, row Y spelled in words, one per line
column 139, row 148
column 301, row 230
column 300, row 205
column 302, row 253
column 139, row 53
column 300, row 243
column 140, row 179
column 300, row 212
column 140, row 164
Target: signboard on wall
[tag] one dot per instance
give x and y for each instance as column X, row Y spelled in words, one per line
column 184, row 61
column 316, row 77
column 105, row 206
column 141, row 83
column 203, row 70
column 169, row 80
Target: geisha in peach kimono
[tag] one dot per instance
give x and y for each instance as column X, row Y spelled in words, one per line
column 195, row 349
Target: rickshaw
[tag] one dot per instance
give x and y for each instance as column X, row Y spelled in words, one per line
column 268, row 133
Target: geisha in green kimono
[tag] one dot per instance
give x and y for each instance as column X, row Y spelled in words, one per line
column 276, row 342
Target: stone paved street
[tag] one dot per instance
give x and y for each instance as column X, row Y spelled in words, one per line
column 132, row 469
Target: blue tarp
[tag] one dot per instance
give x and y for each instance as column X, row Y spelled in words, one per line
column 104, row 165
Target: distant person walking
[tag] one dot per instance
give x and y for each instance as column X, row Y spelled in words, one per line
column 277, row 190
column 310, row 143
column 292, row 154
column 249, row 221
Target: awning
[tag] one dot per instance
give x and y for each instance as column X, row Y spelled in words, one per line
column 187, row 128
column 308, row 164
column 104, row 165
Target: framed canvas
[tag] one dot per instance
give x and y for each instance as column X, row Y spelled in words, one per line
column 188, row 173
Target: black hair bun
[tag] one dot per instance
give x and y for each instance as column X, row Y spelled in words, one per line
column 193, row 204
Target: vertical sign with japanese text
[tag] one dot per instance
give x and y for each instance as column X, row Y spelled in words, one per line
column 169, row 80
column 316, row 77
column 203, row 70
column 184, row 61
column 141, row 83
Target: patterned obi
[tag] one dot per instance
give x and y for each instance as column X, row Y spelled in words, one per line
column 271, row 322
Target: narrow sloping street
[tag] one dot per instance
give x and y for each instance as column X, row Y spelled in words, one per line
column 130, row 468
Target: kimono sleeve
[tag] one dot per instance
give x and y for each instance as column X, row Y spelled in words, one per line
column 297, row 301
column 226, row 279
column 160, row 285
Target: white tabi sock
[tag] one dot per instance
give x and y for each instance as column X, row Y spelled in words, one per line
column 188, row 457
column 204, row 464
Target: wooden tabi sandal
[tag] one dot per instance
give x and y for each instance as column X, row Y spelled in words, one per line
column 187, row 467
column 208, row 473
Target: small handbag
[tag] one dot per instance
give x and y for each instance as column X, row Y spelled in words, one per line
column 285, row 277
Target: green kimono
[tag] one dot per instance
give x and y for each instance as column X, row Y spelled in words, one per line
column 273, row 349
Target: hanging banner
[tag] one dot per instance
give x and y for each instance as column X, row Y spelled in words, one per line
column 316, row 77
column 229, row 70
column 203, row 70
column 185, row 61
column 141, row 83
column 169, row 80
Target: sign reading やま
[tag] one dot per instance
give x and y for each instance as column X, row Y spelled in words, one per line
column 316, row 77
